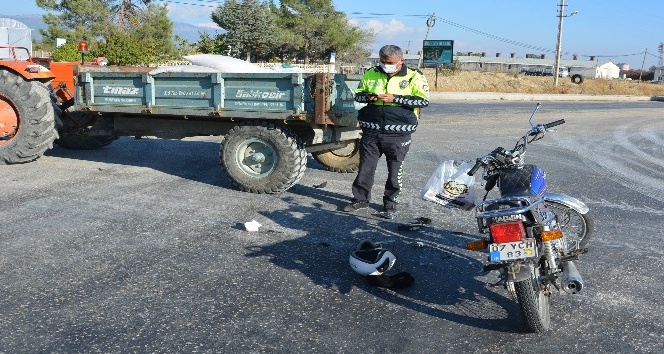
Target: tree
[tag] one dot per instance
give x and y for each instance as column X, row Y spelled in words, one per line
column 209, row 45
column 358, row 53
column 78, row 20
column 69, row 52
column 155, row 33
column 124, row 48
column 249, row 25
column 313, row 28
column 129, row 13
column 125, row 31
column 185, row 47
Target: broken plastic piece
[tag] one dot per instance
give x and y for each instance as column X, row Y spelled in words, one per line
column 252, row 226
column 388, row 215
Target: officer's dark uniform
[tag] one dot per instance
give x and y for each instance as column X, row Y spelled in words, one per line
column 387, row 128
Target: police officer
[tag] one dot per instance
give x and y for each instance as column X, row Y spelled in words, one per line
column 394, row 95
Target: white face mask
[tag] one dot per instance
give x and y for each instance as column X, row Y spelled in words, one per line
column 389, row 68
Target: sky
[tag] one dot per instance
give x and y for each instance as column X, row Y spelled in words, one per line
column 617, row 31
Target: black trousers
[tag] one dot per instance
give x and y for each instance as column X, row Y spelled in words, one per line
column 373, row 145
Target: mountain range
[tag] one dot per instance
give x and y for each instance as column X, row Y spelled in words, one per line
column 186, row 31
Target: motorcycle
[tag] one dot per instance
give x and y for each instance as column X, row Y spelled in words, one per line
column 534, row 235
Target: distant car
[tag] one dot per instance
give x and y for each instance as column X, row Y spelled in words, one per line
column 544, row 71
column 563, row 72
column 537, row 71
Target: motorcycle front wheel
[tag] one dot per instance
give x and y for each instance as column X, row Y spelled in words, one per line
column 534, row 303
column 577, row 227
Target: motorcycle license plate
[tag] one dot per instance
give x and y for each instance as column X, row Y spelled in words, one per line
column 512, row 250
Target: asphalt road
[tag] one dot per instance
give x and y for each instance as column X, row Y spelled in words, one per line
column 140, row 247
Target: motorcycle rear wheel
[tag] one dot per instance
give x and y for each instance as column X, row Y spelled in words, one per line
column 576, row 226
column 534, row 303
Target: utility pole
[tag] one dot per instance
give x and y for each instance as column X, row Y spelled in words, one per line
column 431, row 21
column 642, row 64
column 561, row 14
column 556, row 67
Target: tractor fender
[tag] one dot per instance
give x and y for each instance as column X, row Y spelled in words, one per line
column 28, row 71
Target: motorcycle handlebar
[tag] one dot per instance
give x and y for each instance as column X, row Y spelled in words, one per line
column 553, row 124
column 478, row 164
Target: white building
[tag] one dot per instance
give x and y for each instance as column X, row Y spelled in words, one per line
column 608, row 71
column 512, row 64
column 587, row 68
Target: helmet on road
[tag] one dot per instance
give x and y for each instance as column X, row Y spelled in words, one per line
column 371, row 259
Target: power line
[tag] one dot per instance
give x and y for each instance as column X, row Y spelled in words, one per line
column 204, row 3
column 529, row 46
column 503, row 39
column 370, row 15
column 496, row 37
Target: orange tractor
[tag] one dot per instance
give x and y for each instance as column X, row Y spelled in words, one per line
column 35, row 95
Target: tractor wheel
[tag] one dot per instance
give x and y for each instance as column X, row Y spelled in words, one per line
column 85, row 131
column 345, row 159
column 577, row 79
column 263, row 158
column 27, row 119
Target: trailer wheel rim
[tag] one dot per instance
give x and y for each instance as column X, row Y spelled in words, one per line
column 9, row 121
column 256, row 158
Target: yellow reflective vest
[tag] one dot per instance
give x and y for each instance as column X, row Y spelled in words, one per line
column 410, row 90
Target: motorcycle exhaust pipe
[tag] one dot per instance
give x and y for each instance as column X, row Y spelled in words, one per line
column 572, row 282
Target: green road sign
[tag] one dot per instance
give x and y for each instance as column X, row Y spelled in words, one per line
column 436, row 52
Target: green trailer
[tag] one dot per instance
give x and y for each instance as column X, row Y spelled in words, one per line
column 269, row 121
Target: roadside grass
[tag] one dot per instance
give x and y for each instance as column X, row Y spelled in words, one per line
column 474, row 81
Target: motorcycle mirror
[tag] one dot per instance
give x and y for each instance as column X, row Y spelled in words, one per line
column 533, row 115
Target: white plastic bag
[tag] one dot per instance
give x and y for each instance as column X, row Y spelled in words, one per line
column 451, row 186
column 183, row 69
column 226, row 64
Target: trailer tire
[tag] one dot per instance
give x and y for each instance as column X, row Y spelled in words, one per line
column 76, row 128
column 345, row 159
column 577, row 78
column 263, row 158
column 27, row 119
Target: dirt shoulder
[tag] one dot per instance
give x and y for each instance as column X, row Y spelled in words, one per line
column 473, row 81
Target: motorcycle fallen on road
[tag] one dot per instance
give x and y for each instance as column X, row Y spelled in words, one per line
column 534, row 236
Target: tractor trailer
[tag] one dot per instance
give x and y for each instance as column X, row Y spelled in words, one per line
column 268, row 122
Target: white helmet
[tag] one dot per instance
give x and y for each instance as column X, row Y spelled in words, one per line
column 370, row 259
